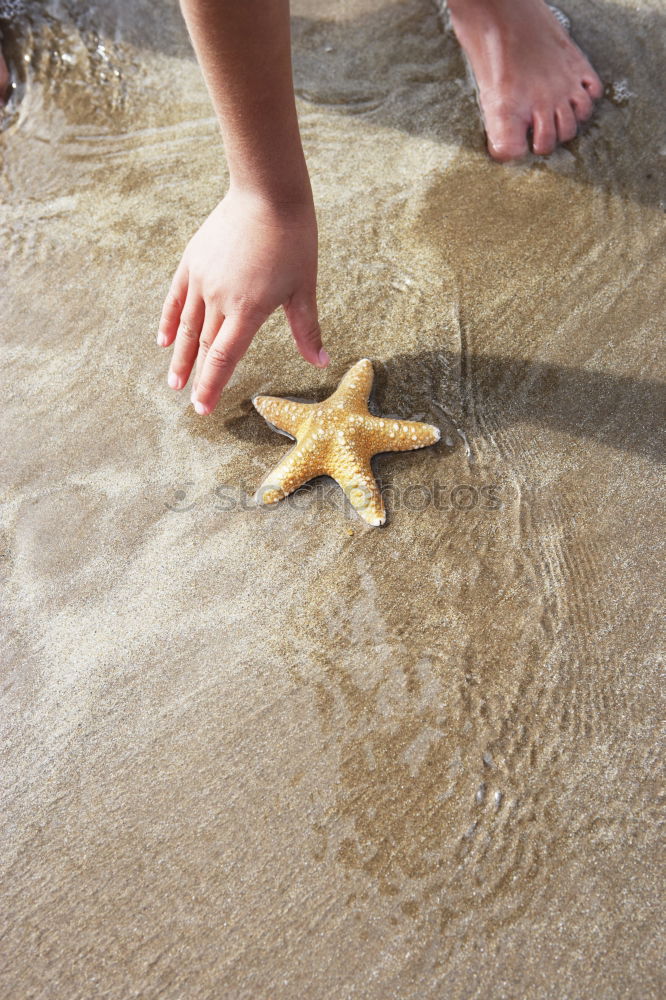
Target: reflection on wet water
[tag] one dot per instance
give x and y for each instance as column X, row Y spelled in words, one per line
column 279, row 751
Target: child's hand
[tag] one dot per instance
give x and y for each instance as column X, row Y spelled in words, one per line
column 248, row 258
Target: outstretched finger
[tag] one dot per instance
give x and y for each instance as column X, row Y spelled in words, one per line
column 173, row 307
column 227, row 349
column 301, row 312
column 211, row 327
column 187, row 339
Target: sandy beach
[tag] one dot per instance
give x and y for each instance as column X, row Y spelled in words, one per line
column 277, row 754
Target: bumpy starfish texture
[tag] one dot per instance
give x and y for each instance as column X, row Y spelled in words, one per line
column 338, row 438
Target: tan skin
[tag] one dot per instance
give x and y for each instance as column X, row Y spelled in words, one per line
column 533, row 80
column 257, row 251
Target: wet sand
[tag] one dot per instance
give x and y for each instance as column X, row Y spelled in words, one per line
column 277, row 754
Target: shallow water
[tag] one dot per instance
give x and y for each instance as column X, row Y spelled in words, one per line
column 277, row 753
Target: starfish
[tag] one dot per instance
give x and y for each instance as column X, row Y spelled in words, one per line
column 338, row 438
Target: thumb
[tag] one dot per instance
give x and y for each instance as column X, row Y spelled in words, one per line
column 301, row 312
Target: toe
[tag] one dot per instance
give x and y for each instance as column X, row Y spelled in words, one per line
column 582, row 104
column 593, row 84
column 544, row 134
column 4, row 80
column 507, row 136
column 566, row 123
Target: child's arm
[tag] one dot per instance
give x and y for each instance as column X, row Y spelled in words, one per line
column 258, row 249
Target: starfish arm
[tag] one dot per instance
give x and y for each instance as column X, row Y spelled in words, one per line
column 356, row 385
column 357, row 479
column 298, row 466
column 338, row 438
column 284, row 414
column 400, row 435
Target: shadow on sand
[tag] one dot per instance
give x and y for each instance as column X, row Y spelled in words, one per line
column 490, row 390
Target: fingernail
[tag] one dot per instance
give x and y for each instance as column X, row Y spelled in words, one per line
column 323, row 358
column 161, row 339
column 173, row 380
column 200, row 408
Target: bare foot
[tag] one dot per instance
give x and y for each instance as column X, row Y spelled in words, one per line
column 530, row 75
